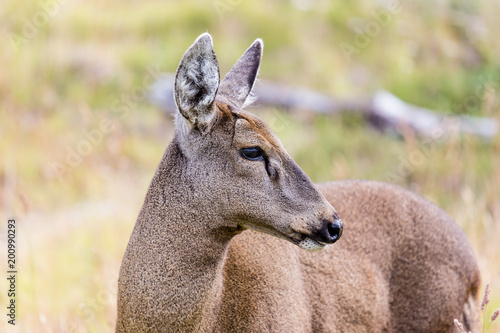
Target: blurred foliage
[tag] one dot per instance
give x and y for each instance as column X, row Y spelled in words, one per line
column 68, row 65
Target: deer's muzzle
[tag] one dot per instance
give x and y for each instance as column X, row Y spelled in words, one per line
column 330, row 232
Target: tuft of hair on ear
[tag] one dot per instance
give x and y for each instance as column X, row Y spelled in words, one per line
column 238, row 83
column 197, row 82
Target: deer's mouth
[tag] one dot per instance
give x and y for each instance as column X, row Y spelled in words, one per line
column 303, row 241
column 309, row 244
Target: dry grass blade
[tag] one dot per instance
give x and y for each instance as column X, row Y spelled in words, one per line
column 495, row 315
column 459, row 325
column 486, row 298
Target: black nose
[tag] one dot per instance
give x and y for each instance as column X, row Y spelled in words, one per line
column 331, row 231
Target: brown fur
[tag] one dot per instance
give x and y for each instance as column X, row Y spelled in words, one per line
column 402, row 264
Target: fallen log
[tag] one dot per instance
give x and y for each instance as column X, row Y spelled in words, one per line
column 383, row 110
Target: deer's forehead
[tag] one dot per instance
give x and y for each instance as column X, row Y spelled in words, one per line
column 248, row 128
column 253, row 130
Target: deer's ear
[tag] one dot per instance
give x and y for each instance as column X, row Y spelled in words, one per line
column 196, row 82
column 239, row 82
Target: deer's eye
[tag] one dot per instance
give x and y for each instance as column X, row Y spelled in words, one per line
column 252, row 153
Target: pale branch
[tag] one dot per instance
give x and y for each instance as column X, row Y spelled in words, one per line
column 383, row 110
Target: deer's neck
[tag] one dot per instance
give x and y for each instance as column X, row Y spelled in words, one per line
column 183, row 250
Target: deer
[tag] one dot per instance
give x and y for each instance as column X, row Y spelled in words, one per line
column 234, row 237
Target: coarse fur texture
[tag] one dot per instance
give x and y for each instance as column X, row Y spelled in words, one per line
column 192, row 265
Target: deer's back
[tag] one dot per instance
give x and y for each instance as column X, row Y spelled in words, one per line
column 402, row 265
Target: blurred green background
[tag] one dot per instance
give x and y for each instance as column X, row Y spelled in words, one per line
column 75, row 77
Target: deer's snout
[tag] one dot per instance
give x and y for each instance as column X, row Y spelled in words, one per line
column 330, row 231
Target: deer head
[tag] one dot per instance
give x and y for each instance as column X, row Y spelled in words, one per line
column 235, row 166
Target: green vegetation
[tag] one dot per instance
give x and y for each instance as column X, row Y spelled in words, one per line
column 66, row 67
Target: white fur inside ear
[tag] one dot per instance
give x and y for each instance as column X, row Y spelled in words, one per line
column 199, row 78
column 197, row 81
column 251, row 98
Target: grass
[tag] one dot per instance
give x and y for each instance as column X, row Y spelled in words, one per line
column 60, row 82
